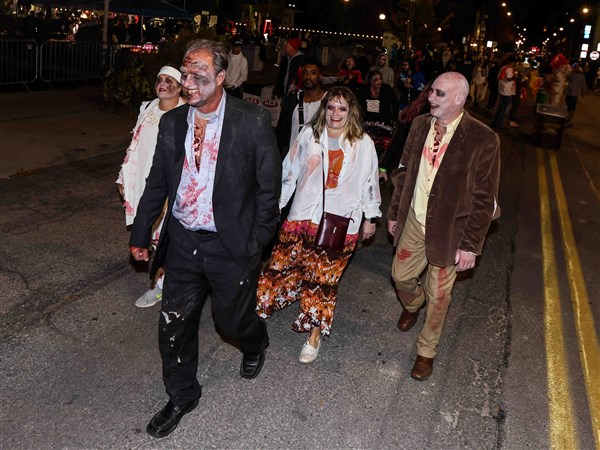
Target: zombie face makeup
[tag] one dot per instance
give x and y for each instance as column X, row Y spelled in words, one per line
column 444, row 99
column 336, row 116
column 203, row 85
column 167, row 87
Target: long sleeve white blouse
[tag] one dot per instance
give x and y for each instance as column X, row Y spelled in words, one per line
column 357, row 192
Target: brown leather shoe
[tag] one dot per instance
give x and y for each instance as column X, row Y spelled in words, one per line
column 407, row 319
column 422, row 369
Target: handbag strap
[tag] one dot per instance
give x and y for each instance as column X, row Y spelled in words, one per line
column 323, row 179
column 300, row 110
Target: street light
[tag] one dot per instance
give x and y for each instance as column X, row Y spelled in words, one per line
column 344, row 15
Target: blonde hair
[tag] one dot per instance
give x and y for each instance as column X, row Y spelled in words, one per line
column 354, row 129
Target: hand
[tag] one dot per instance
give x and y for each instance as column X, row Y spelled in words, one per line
column 139, row 254
column 464, row 260
column 383, row 176
column 368, row 230
column 392, row 227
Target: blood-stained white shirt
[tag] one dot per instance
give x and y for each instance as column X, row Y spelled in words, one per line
column 193, row 205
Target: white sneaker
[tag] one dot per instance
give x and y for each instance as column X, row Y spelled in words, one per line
column 150, row 298
column 309, row 353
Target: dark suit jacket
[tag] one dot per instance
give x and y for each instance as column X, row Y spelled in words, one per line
column 247, row 181
column 462, row 202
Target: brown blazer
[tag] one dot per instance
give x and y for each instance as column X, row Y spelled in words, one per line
column 462, row 202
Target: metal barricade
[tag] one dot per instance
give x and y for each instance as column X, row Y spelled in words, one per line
column 18, row 61
column 70, row 61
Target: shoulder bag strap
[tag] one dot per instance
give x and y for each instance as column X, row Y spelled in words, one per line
column 300, row 110
column 323, row 178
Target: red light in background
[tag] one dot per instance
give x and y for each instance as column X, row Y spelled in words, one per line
column 268, row 27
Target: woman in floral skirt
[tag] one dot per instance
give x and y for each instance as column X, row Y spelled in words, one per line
column 336, row 151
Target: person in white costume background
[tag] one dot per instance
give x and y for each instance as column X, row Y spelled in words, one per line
column 138, row 159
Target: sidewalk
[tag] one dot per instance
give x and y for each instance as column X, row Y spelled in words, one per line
column 48, row 128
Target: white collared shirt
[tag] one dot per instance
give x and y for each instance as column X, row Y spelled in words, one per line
column 193, row 204
column 310, row 109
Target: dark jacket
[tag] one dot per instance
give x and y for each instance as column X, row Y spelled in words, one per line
column 462, row 202
column 388, row 104
column 247, row 181
column 294, row 67
column 391, row 158
column 283, row 132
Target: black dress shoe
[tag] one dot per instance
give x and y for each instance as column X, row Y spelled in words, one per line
column 251, row 364
column 166, row 420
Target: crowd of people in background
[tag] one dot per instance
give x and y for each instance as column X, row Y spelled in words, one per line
column 387, row 81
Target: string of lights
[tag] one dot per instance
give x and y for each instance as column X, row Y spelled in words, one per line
column 332, row 33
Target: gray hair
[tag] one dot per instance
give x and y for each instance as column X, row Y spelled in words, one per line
column 217, row 49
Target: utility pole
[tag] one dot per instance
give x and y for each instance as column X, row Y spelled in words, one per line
column 105, row 24
column 409, row 25
column 480, row 27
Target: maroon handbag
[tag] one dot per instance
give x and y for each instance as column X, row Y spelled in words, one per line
column 332, row 230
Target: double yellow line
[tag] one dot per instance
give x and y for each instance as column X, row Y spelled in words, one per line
column 561, row 416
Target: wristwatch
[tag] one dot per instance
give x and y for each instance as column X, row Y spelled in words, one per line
column 372, row 220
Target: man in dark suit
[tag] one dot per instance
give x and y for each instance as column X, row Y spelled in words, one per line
column 443, row 203
column 217, row 162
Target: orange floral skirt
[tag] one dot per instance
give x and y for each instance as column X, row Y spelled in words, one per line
column 298, row 270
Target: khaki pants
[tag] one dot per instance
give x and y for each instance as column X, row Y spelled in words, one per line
column 409, row 263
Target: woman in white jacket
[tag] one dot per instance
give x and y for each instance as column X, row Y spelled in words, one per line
column 334, row 149
column 139, row 155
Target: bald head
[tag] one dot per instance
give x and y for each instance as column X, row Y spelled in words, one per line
column 459, row 84
column 448, row 95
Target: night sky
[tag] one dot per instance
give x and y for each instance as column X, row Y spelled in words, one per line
column 532, row 15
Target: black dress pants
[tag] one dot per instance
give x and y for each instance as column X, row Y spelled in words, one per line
column 197, row 265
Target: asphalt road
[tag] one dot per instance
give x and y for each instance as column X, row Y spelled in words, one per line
column 80, row 365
